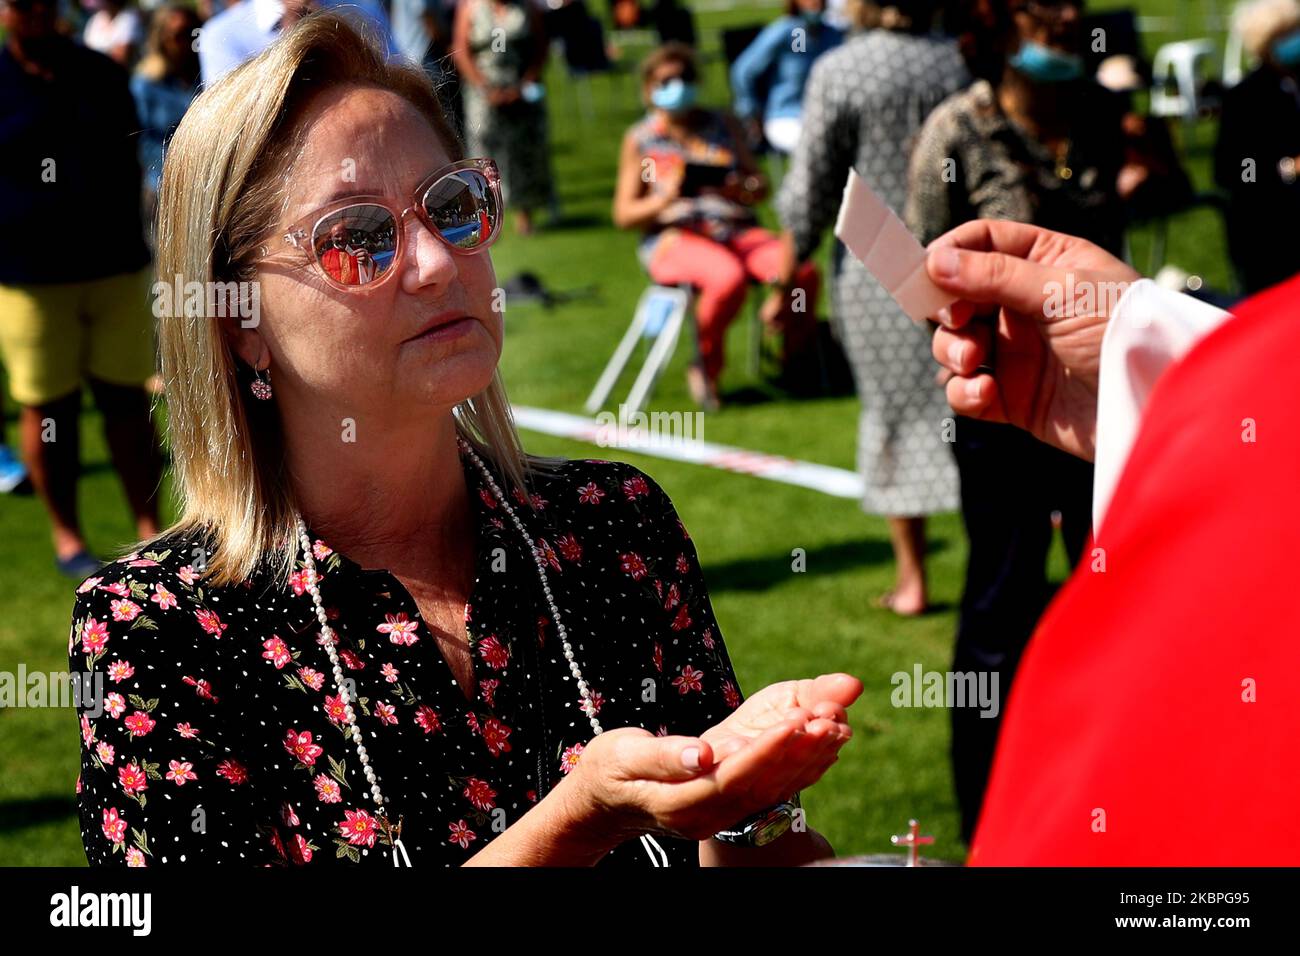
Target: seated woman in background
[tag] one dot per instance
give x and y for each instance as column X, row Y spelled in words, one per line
column 379, row 632
column 687, row 180
column 781, row 57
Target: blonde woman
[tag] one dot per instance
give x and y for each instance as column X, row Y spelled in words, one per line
column 379, row 633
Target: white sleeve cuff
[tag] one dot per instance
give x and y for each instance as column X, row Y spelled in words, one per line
column 1150, row 328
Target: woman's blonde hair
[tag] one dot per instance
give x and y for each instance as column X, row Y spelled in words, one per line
column 223, row 190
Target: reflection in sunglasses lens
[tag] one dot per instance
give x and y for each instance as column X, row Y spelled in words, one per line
column 356, row 245
column 462, row 207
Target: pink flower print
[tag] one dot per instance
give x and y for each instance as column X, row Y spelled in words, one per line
column 480, row 793
column 461, row 834
column 494, row 735
column 673, row 597
column 519, row 496
column 472, row 722
column 142, row 563
column 359, row 828
column 119, row 671
column 683, row 619
column 487, row 498
column 399, row 628
column 211, row 622
column 569, row 547
column 538, row 502
column 162, row 597
column 233, row 771
column 328, row 789
column 683, row 566
column 589, row 494
column 94, row 636
column 386, row 712
column 87, row 732
column 114, row 826
column 427, row 718
column 88, row 585
column 117, row 587
column 635, row 487
column 300, row 745
column 336, row 709
column 320, row 550
column 303, row 579
column 569, row 759
column 494, row 653
column 187, row 731
column 201, row 687
column 287, row 815
column 659, row 657
column 140, row 723
column 115, row 705
column 488, row 688
column 300, row 850
column 187, row 575
column 132, row 779
column 104, row 752
column 351, row 661
column 662, row 731
column 633, row 565
column 730, row 694
column 592, row 705
column 547, row 554
column 134, row 857
column 689, row 680
column 277, row 651
column 707, row 638
column 181, row 771
column 312, row 678
column 390, row 673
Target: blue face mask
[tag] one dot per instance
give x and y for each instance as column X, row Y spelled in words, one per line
column 1042, row 64
column 1286, row 50
column 674, row 96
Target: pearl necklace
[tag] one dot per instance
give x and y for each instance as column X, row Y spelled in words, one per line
column 349, row 716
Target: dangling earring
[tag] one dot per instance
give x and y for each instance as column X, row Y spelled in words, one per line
column 261, row 387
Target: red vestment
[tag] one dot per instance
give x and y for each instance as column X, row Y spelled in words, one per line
column 1160, row 697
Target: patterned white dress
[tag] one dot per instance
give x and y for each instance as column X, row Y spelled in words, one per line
column 864, row 104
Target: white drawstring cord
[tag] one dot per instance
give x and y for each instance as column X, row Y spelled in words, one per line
column 648, row 841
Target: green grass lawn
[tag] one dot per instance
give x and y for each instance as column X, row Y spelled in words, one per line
column 778, row 623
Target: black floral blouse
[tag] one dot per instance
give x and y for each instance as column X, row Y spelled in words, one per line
column 221, row 732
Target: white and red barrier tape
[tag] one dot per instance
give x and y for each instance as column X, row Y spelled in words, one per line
column 837, row 482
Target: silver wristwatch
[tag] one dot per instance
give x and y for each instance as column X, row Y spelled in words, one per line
column 763, row 827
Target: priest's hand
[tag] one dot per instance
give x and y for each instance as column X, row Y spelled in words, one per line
column 1047, row 297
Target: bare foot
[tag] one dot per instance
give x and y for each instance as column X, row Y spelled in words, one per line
column 904, row 603
column 703, row 392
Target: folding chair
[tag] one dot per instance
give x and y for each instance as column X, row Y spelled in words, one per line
column 660, row 314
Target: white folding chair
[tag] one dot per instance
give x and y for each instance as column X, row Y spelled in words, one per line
column 660, row 314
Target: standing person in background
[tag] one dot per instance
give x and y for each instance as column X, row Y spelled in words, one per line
column 422, row 32
column 1257, row 159
column 164, row 84
column 244, row 29
column 116, row 31
column 864, row 103
column 782, row 55
column 71, row 309
column 500, row 50
column 704, row 233
column 1032, row 141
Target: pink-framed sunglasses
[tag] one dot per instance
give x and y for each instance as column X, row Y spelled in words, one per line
column 355, row 242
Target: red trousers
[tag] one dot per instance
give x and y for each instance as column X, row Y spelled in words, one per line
column 720, row 272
